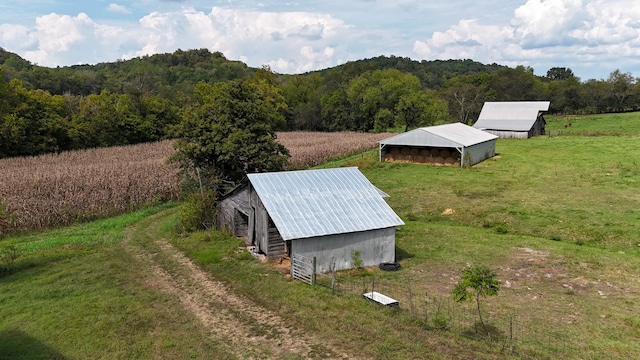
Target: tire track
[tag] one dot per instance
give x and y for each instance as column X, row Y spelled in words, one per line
column 248, row 330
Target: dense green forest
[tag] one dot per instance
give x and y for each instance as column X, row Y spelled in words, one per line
column 143, row 99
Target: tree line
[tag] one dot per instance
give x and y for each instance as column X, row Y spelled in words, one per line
column 147, row 99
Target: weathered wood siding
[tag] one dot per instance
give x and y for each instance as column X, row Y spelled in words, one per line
column 228, row 217
column 265, row 236
column 537, row 129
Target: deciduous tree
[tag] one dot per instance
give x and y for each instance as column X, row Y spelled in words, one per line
column 476, row 282
column 229, row 131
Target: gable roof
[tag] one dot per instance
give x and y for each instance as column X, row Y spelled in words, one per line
column 309, row 203
column 447, row 135
column 510, row 115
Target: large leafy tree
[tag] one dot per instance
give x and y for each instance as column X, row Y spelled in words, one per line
column 466, row 95
column 31, row 122
column 476, row 282
column 421, row 108
column 229, row 131
column 622, row 86
column 378, row 91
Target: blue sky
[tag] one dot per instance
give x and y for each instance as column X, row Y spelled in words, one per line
column 592, row 37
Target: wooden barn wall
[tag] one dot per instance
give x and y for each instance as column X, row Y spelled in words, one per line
column 375, row 247
column 226, row 216
column 265, row 236
column 504, row 134
column 538, row 127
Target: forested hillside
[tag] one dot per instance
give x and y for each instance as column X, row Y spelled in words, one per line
column 140, row 100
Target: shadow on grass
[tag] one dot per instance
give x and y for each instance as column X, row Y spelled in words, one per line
column 15, row 344
column 487, row 332
column 401, row 254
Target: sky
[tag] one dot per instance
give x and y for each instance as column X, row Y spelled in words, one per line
column 591, row 37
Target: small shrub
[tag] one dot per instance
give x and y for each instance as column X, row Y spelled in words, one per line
column 356, row 260
column 555, row 238
column 440, row 322
column 197, row 212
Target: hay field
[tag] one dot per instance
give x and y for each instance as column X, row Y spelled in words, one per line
column 61, row 189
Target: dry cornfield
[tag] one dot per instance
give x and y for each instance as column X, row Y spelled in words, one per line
column 313, row 148
column 60, row 189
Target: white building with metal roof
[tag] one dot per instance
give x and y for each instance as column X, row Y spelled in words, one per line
column 327, row 213
column 513, row 119
column 455, row 143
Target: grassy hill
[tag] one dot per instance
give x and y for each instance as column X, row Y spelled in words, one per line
column 555, row 217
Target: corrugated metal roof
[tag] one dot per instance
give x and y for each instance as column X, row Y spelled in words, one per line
column 510, row 115
column 309, row 203
column 447, row 135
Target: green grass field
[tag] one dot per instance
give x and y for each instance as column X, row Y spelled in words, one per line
column 556, row 217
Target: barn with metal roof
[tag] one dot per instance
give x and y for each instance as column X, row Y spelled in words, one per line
column 327, row 213
column 453, row 144
column 513, row 119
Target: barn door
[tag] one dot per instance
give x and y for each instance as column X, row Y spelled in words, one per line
column 252, row 226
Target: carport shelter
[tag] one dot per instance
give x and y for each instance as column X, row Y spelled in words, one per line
column 329, row 214
column 455, row 143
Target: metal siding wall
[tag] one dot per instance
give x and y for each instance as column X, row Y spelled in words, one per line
column 375, row 246
column 481, row 152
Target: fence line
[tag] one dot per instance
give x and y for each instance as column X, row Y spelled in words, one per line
column 506, row 333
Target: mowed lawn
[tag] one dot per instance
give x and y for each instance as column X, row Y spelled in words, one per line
column 555, row 217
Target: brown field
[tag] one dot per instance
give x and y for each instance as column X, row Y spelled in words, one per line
column 312, row 148
column 60, row 189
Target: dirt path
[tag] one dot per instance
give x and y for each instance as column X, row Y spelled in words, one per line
column 248, row 330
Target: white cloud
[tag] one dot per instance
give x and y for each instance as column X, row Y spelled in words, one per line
column 57, row 38
column 545, row 32
column 466, row 40
column 56, row 34
column 16, row 36
column 118, row 9
column 596, row 34
column 260, row 37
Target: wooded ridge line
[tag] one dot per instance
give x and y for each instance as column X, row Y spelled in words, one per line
column 140, row 100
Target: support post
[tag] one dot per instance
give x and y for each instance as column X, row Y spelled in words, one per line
column 313, row 273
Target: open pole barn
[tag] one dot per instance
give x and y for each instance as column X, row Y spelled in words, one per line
column 449, row 144
column 329, row 214
column 513, row 119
